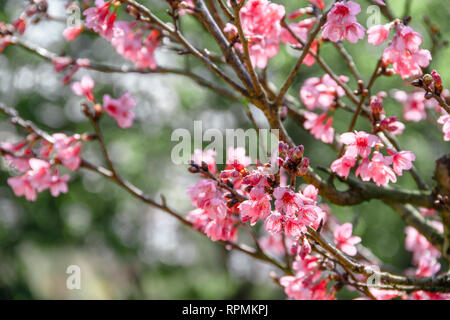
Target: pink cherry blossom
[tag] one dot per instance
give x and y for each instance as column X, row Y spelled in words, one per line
column 344, row 239
column 58, row 184
column 401, row 160
column 198, row 218
column 316, row 126
column 237, row 159
column 445, row 121
column 427, row 266
column 261, row 23
column 287, row 201
column 378, row 34
column 358, row 143
column 274, row 222
column 39, row 174
column 71, row 33
column 342, row 166
column 413, row 105
column 379, row 170
column 97, row 18
column 68, row 150
column 419, row 245
column 301, row 29
column 253, row 210
column 363, row 170
column 19, row 162
column 404, row 53
column 22, row 187
column 84, row 88
column 342, row 24
column 207, row 156
column 321, row 92
column 120, row 109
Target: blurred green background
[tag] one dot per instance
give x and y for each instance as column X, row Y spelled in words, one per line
column 128, row 250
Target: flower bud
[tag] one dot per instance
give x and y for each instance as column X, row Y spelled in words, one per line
column 427, row 79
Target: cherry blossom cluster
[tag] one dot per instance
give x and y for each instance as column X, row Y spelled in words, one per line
column 240, row 193
column 37, row 160
column 321, row 93
column 342, row 23
column 373, row 164
column 404, row 52
column 262, row 25
column 130, row 39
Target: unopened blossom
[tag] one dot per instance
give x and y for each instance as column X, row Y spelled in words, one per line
column 344, row 239
column 343, row 165
column 359, row 143
column 71, row 33
column 380, row 171
column 342, row 24
column 445, row 121
column 322, row 92
column 261, row 24
column 318, row 3
column 120, row 109
column 319, row 126
column 401, row 160
column 84, row 88
column 207, row 156
column 378, row 34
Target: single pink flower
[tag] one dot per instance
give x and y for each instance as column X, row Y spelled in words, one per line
column 58, row 184
column 358, row 143
column 342, row 166
column 236, row 158
column 287, row 201
column 274, row 222
column 84, row 88
column 401, row 160
column 22, row 187
column 379, row 170
column 378, row 34
column 120, row 109
column 344, row 239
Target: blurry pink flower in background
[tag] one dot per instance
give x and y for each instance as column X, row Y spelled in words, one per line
column 120, row 109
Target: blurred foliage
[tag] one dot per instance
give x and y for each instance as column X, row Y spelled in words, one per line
column 128, row 250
